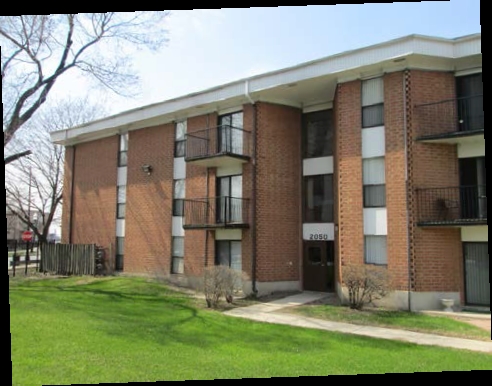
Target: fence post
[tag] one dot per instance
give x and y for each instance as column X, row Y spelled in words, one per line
column 14, row 258
column 26, row 258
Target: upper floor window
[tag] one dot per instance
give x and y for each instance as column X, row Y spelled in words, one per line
column 469, row 90
column 372, row 102
column 230, row 133
column 317, row 133
column 318, row 198
column 180, row 139
column 123, row 150
column 178, row 197
column 373, row 175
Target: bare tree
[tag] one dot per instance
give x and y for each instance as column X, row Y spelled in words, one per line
column 37, row 50
column 34, row 186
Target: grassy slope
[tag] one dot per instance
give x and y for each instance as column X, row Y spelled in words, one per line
column 395, row 319
column 125, row 329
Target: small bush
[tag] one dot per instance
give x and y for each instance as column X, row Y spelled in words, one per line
column 365, row 283
column 220, row 282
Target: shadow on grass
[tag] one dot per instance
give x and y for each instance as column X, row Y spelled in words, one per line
column 134, row 310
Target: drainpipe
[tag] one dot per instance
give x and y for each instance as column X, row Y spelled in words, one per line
column 70, row 231
column 253, row 197
column 206, row 195
column 407, row 186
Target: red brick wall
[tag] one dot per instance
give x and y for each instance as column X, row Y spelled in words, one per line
column 348, row 174
column 196, row 187
column 67, row 195
column 437, row 252
column 94, row 200
column 396, row 197
column 438, row 259
column 278, row 192
column 149, row 201
column 247, row 242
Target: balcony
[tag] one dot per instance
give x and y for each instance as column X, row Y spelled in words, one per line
column 456, row 206
column 218, row 146
column 216, row 212
column 451, row 121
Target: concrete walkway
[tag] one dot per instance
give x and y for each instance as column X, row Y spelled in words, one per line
column 267, row 312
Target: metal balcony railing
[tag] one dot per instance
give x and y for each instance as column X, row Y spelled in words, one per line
column 218, row 141
column 452, row 117
column 216, row 212
column 462, row 205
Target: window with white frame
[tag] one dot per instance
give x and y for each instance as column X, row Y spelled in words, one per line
column 123, row 150
column 180, row 139
column 372, row 102
column 120, row 251
column 177, row 265
column 121, row 206
column 375, row 250
column 178, row 197
column 373, row 175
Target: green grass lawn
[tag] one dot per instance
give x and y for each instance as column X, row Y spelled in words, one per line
column 440, row 325
column 83, row 330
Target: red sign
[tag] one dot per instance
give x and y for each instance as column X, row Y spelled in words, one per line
column 27, row 236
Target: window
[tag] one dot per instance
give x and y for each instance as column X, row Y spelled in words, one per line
column 178, row 197
column 230, row 133
column 121, row 209
column 470, row 102
column 375, row 250
column 229, row 200
column 228, row 253
column 374, row 182
column 318, row 134
column 123, row 151
column 372, row 102
column 177, row 255
column 180, row 139
column 318, row 198
column 120, row 251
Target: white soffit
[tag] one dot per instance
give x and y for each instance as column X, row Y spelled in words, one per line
column 335, row 64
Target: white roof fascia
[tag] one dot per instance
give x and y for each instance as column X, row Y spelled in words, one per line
column 335, row 64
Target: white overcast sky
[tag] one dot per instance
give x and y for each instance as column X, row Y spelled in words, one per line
column 208, row 47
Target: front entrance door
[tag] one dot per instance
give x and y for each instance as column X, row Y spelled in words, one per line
column 319, row 267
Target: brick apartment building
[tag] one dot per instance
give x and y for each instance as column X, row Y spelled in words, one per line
column 372, row 156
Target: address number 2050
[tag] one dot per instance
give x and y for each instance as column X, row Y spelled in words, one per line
column 318, row 236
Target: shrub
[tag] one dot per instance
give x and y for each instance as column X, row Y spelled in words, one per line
column 365, row 283
column 220, row 281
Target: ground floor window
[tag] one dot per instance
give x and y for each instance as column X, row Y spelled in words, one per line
column 375, row 250
column 177, row 265
column 120, row 247
column 228, row 253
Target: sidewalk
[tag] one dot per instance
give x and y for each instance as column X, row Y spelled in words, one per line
column 267, row 312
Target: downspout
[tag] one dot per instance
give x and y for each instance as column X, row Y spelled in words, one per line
column 407, row 186
column 70, row 232
column 253, row 197
column 206, row 195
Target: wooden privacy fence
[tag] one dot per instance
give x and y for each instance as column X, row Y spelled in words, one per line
column 68, row 259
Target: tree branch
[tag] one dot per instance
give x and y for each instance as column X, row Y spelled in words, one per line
column 13, row 157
